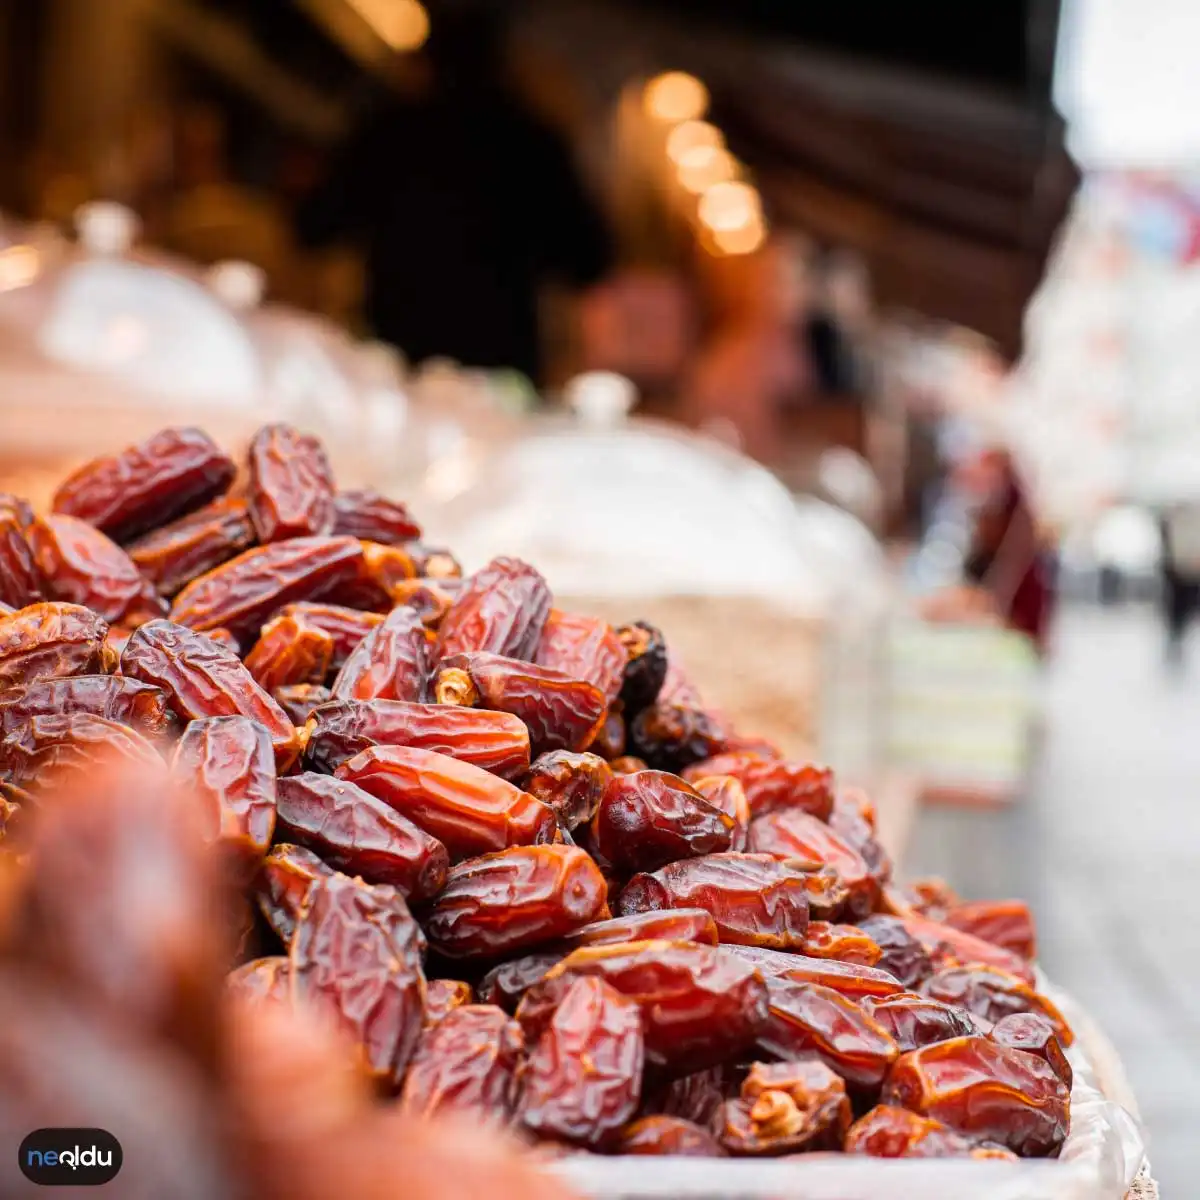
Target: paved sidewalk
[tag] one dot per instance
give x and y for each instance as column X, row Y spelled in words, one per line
column 1107, row 848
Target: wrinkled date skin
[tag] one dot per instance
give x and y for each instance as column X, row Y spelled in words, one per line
column 571, row 784
column 667, row 1136
column 675, row 925
column 355, row 833
column 853, row 981
column 514, row 899
column 699, row 1006
column 468, row 1062
column 650, row 819
column 443, row 996
column 671, row 737
column 796, row 834
column 860, row 837
column 372, row 517
column 49, row 640
column 82, row 566
column 584, row 648
column 382, row 572
column 495, row 742
column 806, row 1018
column 947, row 946
column 467, row 809
column 916, row 1021
column 175, row 554
column 291, row 485
column 985, row 1091
column 560, row 713
column 146, row 485
column 356, row 955
column 228, row 766
column 1005, row 923
column 646, row 665
column 283, row 882
column 289, row 652
column 430, row 600
column 300, row 700
column 1034, row 1034
column 698, row 1097
column 502, row 609
column 126, row 701
column 754, row 900
column 583, row 1079
column 890, row 1132
column 785, row 1108
column 505, row 984
column 267, row 979
column 21, row 579
column 390, row 663
column 727, row 795
column 992, row 994
column 902, row 954
column 243, row 593
column 773, row 784
column 347, row 626
column 203, row 679
column 846, row 943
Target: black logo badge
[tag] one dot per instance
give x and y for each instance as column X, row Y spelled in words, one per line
column 83, row 1157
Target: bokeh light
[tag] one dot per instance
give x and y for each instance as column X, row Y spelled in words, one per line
column 746, row 239
column 402, row 24
column 730, row 206
column 676, row 96
column 704, row 166
column 691, row 135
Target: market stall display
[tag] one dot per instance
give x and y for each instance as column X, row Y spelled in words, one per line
column 510, row 852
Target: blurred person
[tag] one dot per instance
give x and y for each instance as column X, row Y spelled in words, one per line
column 464, row 203
column 1180, row 572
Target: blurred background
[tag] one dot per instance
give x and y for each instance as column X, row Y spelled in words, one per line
column 858, row 347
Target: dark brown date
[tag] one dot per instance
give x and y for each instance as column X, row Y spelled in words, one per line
column 846, row 943
column 560, row 713
column 390, row 663
column 469, row 1062
column 667, row 1136
column 727, row 795
column 584, row 648
column 1034, row 1034
column 242, row 594
column 583, row 1079
column 21, row 579
column 290, row 651
column 853, row 981
column 786, row 1108
column 671, row 737
column 773, row 784
column 985, row 1091
column 992, row 994
column 203, row 679
column 367, row 515
column 443, row 996
column 506, row 984
column 645, row 667
column 502, row 609
column 283, row 882
column 290, row 486
column 699, row 1006
column 902, row 955
column 227, row 765
column 301, row 700
column 571, row 784
column 514, row 899
column 347, row 626
column 648, row 820
column 918, row 1021
column 1005, row 923
column 146, row 485
column 609, row 743
column 495, row 742
column 177, row 553
column 949, row 947
column 698, row 1097
column 675, row 925
column 142, row 707
column 753, row 899
column 467, row 809
column 267, row 979
column 357, row 834
column 356, row 956
column 890, row 1132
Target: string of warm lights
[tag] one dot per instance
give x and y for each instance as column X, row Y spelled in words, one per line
column 727, row 208
column 403, row 25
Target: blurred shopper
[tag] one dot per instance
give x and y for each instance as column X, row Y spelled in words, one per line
column 1180, row 567
column 465, row 205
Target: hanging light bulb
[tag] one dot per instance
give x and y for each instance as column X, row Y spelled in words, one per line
column 702, row 167
column 691, row 135
column 676, row 96
column 728, row 206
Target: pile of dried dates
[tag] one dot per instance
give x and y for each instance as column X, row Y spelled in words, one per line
column 506, row 848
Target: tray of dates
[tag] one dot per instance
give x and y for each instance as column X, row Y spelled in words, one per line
column 506, row 851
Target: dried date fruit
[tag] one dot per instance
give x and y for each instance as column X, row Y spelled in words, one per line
column 669, row 1136
column 283, row 882
column 436, row 562
column 753, row 899
column 429, row 600
column 846, row 943
column 674, row 925
column 468, row 1062
column 560, row 713
column 890, row 1132
column 902, row 955
column 986, row 1091
column 584, row 648
column 301, row 700
column 992, row 994
column 514, row 899
column 355, row 833
column 648, row 820
column 243, row 593
column 505, row 984
column 21, row 579
column 146, row 485
column 699, row 1006
column 949, row 947
column 390, row 663
column 646, row 665
column 571, row 784
column 495, row 742
column 917, row 1020
column 203, row 679
column 289, row 652
column 806, row 1018
column 347, row 626
column 671, row 737
column 793, row 833
column 773, row 784
column 262, row 979
column 173, row 555
column 698, row 1097
column 382, row 572
column 609, row 742
column 860, row 837
column 290, row 485
column 627, row 764
column 142, row 707
column 583, row 1079
column 785, row 1108
column 356, row 956
column 228, row 766
column 443, row 996
column 502, row 609
column 727, row 795
column 932, row 897
column 853, row 981
column 1034, row 1034
column 1005, row 923
column 827, row 894
column 367, row 515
